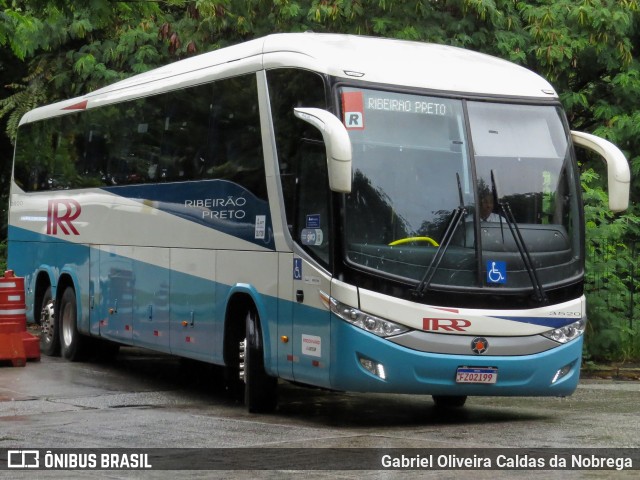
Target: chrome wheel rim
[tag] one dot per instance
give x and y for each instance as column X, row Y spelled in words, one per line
column 47, row 322
column 242, row 372
column 67, row 325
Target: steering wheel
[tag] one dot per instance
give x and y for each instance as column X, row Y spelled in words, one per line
column 403, row 241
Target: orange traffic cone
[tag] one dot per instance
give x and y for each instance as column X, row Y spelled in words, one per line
column 16, row 344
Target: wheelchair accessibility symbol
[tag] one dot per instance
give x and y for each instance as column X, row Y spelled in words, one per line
column 496, row 272
column 297, row 269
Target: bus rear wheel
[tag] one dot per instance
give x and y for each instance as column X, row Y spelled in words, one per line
column 49, row 340
column 260, row 389
column 72, row 343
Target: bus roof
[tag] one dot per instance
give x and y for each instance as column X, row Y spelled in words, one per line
column 368, row 59
column 412, row 64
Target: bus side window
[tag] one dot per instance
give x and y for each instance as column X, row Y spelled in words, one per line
column 312, row 200
column 185, row 151
column 235, row 137
column 122, row 140
column 51, row 155
column 210, row 131
column 301, row 158
column 30, row 168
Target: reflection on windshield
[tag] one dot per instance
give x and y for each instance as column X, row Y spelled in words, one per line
column 528, row 146
column 410, row 152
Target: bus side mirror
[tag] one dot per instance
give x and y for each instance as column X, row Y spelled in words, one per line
column 619, row 176
column 337, row 143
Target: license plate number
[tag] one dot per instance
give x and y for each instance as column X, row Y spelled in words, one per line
column 476, row 375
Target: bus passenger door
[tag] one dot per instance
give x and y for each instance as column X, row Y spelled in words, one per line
column 312, row 232
column 311, row 324
column 285, row 316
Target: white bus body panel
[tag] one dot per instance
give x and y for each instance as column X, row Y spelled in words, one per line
column 411, row 64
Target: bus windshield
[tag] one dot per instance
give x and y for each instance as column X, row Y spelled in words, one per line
column 486, row 173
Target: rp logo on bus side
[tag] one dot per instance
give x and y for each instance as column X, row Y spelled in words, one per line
column 61, row 213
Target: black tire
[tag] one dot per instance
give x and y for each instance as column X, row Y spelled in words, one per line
column 73, row 345
column 449, row 401
column 260, row 389
column 49, row 332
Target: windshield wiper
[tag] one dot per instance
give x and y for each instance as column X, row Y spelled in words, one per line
column 457, row 215
column 539, row 293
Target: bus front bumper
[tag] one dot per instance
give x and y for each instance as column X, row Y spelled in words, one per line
column 363, row 362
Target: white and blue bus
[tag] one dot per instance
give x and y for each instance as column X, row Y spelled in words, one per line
column 357, row 214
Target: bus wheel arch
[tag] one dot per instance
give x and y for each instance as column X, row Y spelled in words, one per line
column 244, row 355
column 260, row 389
column 234, row 332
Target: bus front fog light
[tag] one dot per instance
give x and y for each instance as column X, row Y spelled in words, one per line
column 373, row 367
column 563, row 372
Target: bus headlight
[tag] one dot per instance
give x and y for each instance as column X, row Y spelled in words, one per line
column 370, row 323
column 567, row 333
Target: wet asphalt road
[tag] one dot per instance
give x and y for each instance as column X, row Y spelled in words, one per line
column 149, row 400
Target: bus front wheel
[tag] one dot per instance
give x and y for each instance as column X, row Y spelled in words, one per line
column 260, row 389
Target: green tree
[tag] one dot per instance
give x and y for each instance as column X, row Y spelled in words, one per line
column 586, row 48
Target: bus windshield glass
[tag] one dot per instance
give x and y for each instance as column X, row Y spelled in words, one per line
column 460, row 181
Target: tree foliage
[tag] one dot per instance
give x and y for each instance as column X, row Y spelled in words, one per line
column 587, row 48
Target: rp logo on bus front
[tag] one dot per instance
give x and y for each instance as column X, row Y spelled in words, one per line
column 61, row 213
column 445, row 324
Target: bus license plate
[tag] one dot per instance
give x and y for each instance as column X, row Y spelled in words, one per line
column 476, row 375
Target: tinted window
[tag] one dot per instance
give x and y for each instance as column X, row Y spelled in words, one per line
column 301, row 158
column 209, row 131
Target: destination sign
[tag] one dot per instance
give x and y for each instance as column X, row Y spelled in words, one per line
column 407, row 106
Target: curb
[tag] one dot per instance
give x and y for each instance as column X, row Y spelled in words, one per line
column 612, row 372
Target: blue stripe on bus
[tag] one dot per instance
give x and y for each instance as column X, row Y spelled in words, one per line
column 219, row 204
column 551, row 322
